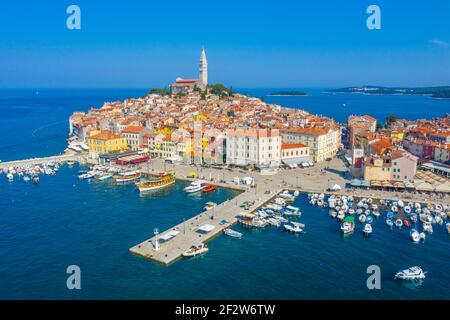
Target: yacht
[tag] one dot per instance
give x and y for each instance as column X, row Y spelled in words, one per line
column 196, row 249
column 367, row 229
column 195, row 187
column 413, row 273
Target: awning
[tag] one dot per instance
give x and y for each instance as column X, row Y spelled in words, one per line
column 365, row 183
column 356, row 182
column 297, row 161
column 206, row 228
column 443, row 188
column 424, row 186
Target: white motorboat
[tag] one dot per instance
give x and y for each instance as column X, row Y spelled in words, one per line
column 292, row 211
column 341, row 215
column 415, row 235
column 280, row 219
column 88, row 175
column 367, row 229
column 413, row 273
column 427, row 227
column 26, row 178
column 232, row 233
column 195, row 250
column 294, row 227
column 399, row 223
column 351, row 211
column 362, row 218
column 10, row 176
column 376, row 213
column 195, row 186
column 274, row 222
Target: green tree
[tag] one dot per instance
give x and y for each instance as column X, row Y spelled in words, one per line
column 390, row 120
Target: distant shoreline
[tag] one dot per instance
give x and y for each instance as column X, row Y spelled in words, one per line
column 390, row 94
column 287, row 95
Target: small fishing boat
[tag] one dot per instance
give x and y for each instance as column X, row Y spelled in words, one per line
column 399, row 223
column 35, row 179
column 26, row 178
column 362, row 218
column 427, row 227
column 10, row 176
column 413, row 218
column 209, row 188
column 195, row 249
column 280, row 219
column 274, row 222
column 407, row 209
column 105, row 177
column 389, row 222
column 367, row 229
column 376, row 213
column 369, row 219
column 294, row 227
column 415, row 235
column 341, row 215
column 232, row 233
column 413, row 273
column 348, row 226
column 390, row 215
column 351, row 211
column 406, row 223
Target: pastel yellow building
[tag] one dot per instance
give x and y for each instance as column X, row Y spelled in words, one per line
column 106, row 142
column 375, row 168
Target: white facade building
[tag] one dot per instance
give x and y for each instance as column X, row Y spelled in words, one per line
column 259, row 147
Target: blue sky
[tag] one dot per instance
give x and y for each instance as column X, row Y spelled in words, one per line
column 249, row 43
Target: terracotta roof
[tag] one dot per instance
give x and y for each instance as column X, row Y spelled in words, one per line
column 133, row 129
column 106, row 135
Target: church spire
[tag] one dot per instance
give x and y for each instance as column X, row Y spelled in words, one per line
column 203, row 70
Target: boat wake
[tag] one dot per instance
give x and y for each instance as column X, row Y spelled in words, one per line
column 33, row 134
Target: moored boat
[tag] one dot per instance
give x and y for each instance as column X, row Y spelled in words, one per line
column 413, row 273
column 348, row 226
column 195, row 186
column 163, row 180
column 128, row 176
column 232, row 233
column 367, row 229
column 195, row 249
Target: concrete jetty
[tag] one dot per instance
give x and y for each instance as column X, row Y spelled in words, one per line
column 221, row 217
column 38, row 161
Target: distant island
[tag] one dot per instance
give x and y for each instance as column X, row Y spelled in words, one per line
column 288, row 93
column 435, row 92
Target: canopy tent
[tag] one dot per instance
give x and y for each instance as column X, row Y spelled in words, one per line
column 424, row 186
column 355, row 183
column 298, row 161
column 206, row 228
column 365, row 183
column 375, row 183
column 336, row 187
column 444, row 188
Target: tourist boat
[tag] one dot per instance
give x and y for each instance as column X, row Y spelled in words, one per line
column 413, row 273
column 163, row 180
column 348, row 226
column 294, row 227
column 389, row 222
column 398, row 223
column 128, row 176
column 427, row 227
column 232, row 233
column 367, row 229
column 209, row 188
column 209, row 205
column 195, row 250
column 195, row 186
column 415, row 235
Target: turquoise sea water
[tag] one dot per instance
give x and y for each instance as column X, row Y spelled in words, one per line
column 64, row 221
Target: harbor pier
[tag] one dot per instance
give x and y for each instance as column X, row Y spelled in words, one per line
column 39, row 161
column 220, row 217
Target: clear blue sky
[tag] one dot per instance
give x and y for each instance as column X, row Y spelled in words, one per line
column 249, row 43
